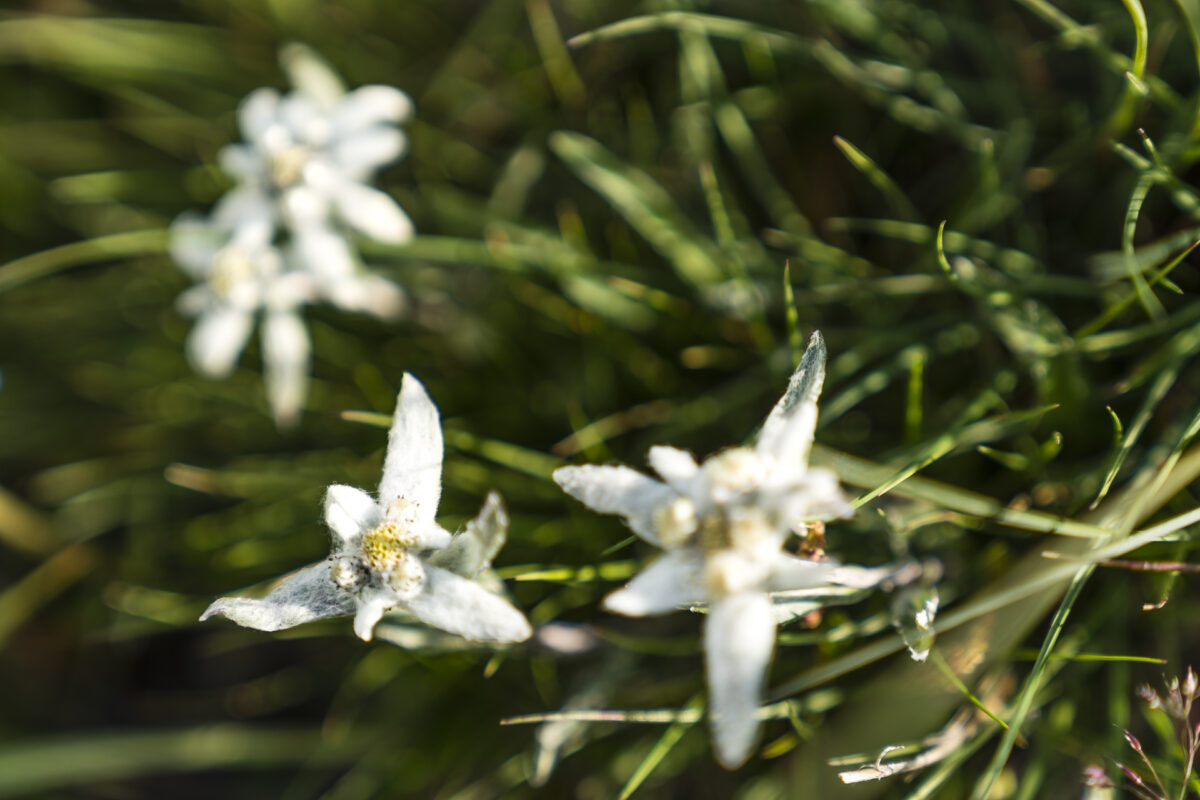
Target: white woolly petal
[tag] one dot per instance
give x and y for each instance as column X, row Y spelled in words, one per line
column 257, row 112
column 787, row 434
column 619, row 490
column 369, row 294
column 193, row 242
column 372, row 605
column 673, row 581
column 677, row 467
column 248, row 213
column 195, row 300
column 350, row 511
column 325, row 254
column 431, row 537
column 286, row 352
column 242, row 162
column 413, row 466
column 301, row 114
column 304, row 207
column 371, row 105
column 372, row 212
column 464, row 607
column 306, row 595
column 217, row 339
column 788, row 572
column 360, row 154
column 739, row 636
column 816, row 495
column 311, row 74
column 472, row 550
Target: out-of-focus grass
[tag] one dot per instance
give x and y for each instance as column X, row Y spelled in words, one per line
column 607, row 195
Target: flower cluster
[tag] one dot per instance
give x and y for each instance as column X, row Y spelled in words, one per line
column 280, row 238
column 722, row 525
column 390, row 555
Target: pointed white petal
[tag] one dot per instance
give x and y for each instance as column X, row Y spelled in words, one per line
column 242, row 162
column 413, row 466
column 325, row 254
column 371, row 105
column 306, row 595
column 217, row 339
column 195, row 300
column 286, row 352
column 362, row 153
column 464, row 607
column 372, row 212
column 739, row 636
column 304, row 207
column 673, row 581
column 311, row 74
column 789, row 572
column 369, row 294
column 432, row 537
column 675, row 466
column 307, row 124
column 371, row 608
column 786, row 435
column 248, row 213
column 256, row 113
column 815, row 495
column 350, row 512
column 193, row 242
column 619, row 490
column 472, row 550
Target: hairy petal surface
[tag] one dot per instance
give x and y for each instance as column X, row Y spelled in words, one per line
column 674, row 580
column 217, row 339
column 787, row 434
column 461, row 606
column 372, row 212
column 677, row 467
column 305, row 595
column 413, row 466
column 471, row 551
column 739, row 636
column 350, row 511
column 618, row 490
column 372, row 604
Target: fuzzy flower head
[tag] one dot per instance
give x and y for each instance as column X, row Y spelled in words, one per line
column 317, row 148
column 390, row 554
column 722, row 524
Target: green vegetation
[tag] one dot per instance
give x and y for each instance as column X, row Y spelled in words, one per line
column 630, row 216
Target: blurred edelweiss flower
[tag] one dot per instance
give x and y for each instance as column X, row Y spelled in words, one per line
column 279, row 239
column 390, row 554
column 723, row 524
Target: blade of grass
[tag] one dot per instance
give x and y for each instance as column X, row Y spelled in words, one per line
column 662, row 747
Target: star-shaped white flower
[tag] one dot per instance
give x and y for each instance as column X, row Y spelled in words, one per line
column 391, row 554
column 723, row 524
column 241, row 275
column 319, row 147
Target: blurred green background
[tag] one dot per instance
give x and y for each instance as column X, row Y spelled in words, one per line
column 600, row 266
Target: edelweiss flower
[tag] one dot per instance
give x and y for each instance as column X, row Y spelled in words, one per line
column 723, row 524
column 241, row 274
column 391, row 554
column 274, row 241
column 319, row 147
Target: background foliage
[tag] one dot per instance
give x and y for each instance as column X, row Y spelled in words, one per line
column 604, row 230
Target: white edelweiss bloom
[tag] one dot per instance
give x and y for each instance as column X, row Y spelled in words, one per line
column 390, row 553
column 241, row 274
column 323, row 140
column 722, row 525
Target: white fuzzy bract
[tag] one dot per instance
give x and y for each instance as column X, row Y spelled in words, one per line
column 281, row 238
column 390, row 554
column 722, row 524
